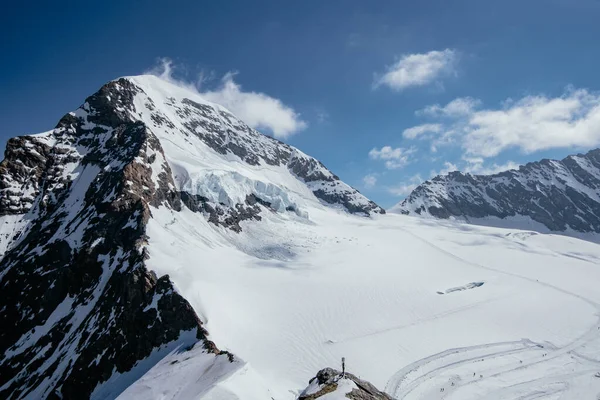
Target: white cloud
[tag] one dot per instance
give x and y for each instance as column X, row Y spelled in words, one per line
column 418, row 69
column 258, row 110
column 448, row 167
column 476, row 166
column 456, row 108
column 165, row 68
column 530, row 124
column 419, row 130
column 404, row 188
column 536, row 123
column 394, row 157
column 369, row 180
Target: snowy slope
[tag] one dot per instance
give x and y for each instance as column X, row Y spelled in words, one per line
column 550, row 195
column 192, row 375
column 299, row 296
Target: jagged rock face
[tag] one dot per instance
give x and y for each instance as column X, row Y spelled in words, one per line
column 561, row 195
column 76, row 294
column 329, row 380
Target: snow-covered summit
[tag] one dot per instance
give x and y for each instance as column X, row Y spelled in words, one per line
column 208, row 147
column 549, row 195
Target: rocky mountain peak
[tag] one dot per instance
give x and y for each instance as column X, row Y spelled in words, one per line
column 88, row 315
column 554, row 195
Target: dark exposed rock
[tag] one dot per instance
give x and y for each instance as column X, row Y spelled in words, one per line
column 76, row 293
column 561, row 195
column 229, row 217
column 310, row 170
column 328, row 379
column 346, row 200
column 111, row 103
column 251, row 200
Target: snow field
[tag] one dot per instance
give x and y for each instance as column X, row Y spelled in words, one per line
column 292, row 296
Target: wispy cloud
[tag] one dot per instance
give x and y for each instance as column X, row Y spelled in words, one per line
column 257, row 109
column 394, row 158
column 322, row 116
column 370, row 180
column 477, row 166
column 446, row 169
column 456, row 108
column 404, row 188
column 420, row 130
column 418, row 69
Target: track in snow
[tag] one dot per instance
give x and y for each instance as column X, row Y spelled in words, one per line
column 489, row 369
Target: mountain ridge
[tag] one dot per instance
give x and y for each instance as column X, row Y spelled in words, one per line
column 558, row 195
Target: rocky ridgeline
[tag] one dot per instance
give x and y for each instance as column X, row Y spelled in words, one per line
column 562, row 195
column 75, row 290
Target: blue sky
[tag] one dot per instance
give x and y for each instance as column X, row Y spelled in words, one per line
column 487, row 85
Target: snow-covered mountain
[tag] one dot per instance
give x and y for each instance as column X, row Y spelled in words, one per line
column 153, row 246
column 75, row 203
column 548, row 195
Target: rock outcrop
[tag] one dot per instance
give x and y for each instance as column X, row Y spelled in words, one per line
column 79, row 306
column 346, row 385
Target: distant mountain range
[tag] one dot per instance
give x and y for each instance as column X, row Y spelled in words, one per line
column 555, row 195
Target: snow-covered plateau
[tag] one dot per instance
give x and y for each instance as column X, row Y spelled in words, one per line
column 156, row 247
column 290, row 296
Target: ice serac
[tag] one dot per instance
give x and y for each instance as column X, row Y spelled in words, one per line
column 559, row 195
column 87, row 315
column 218, row 157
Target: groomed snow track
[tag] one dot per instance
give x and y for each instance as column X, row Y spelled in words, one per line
column 541, row 370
